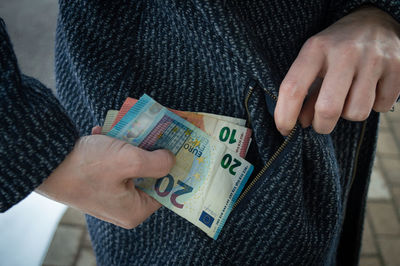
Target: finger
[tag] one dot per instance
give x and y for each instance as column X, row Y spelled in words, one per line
column 307, row 112
column 140, row 163
column 294, row 87
column 131, row 210
column 361, row 95
column 146, row 206
column 331, row 97
column 387, row 92
column 139, row 207
column 96, row 130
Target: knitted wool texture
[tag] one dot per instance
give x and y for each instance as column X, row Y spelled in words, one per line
column 196, row 56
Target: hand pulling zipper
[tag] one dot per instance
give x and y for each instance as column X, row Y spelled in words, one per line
column 273, row 157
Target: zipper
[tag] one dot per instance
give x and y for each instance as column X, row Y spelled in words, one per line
column 246, row 102
column 273, row 157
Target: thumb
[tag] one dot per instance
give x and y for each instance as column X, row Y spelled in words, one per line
column 96, row 130
column 144, row 163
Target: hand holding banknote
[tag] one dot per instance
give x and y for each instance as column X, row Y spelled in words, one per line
column 210, row 171
column 97, row 177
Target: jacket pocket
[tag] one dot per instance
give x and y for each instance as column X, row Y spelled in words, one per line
column 268, row 146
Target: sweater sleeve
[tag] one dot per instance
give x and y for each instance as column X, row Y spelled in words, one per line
column 341, row 8
column 36, row 133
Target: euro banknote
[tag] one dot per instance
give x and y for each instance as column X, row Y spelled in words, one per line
column 233, row 120
column 195, row 117
column 226, row 129
column 207, row 178
column 109, row 121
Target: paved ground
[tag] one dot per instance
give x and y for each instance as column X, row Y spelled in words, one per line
column 71, row 243
column 31, row 26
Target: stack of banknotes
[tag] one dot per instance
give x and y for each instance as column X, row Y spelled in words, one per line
column 210, row 170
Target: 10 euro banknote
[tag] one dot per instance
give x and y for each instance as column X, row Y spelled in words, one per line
column 207, row 178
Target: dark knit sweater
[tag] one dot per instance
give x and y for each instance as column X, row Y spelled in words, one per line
column 197, row 56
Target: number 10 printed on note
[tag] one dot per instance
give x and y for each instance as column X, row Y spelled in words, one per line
column 207, row 177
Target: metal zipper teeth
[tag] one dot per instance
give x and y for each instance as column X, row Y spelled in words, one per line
column 246, row 102
column 273, row 157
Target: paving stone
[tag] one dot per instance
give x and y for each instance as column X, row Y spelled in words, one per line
column 86, row 241
column 383, row 217
column 74, row 217
column 370, row 261
column 378, row 188
column 64, row 247
column 396, row 128
column 383, row 123
column 396, row 197
column 390, row 248
column 386, row 144
column 391, row 167
column 394, row 116
column 368, row 245
column 86, row 258
column 31, row 26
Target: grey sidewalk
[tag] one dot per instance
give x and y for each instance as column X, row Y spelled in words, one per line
column 71, row 243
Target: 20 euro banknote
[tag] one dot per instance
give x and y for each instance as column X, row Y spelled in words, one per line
column 207, row 178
